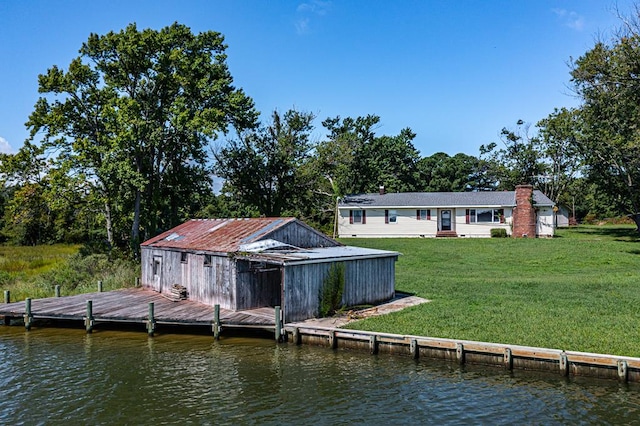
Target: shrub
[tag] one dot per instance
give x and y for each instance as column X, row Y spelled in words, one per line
column 331, row 291
column 498, row 233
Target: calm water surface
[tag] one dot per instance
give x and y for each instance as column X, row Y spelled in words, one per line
column 64, row 376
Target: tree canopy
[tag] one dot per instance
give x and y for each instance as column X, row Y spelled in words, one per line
column 131, row 119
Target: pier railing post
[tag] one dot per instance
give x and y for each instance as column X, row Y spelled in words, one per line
column 278, row 324
column 7, row 296
column 99, row 286
column 151, row 322
column 28, row 316
column 216, row 322
column 57, row 291
column 137, row 281
column 88, row 320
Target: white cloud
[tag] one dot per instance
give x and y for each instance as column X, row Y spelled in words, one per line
column 315, row 6
column 570, row 18
column 4, row 146
column 302, row 25
column 308, row 10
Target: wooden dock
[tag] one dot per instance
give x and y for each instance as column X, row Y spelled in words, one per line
column 133, row 306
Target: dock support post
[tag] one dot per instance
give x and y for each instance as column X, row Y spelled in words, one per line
column 7, row 296
column 332, row 339
column 564, row 364
column 99, row 286
column 296, row 336
column 88, row 321
column 137, row 281
column 278, row 324
column 151, row 322
column 216, row 322
column 460, row 353
column 623, row 371
column 414, row 348
column 373, row 344
column 508, row 359
column 57, row 291
column 28, row 316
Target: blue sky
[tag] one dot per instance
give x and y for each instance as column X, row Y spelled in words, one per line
column 455, row 72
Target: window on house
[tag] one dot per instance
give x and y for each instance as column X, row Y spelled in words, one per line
column 358, row 216
column 390, row 216
column 485, row 215
column 183, row 257
column 207, row 260
column 423, row 214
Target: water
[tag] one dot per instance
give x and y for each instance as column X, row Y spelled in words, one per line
column 64, row 376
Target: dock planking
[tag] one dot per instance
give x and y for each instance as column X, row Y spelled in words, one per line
column 132, row 305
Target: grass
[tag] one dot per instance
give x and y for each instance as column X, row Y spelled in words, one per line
column 579, row 291
column 35, row 271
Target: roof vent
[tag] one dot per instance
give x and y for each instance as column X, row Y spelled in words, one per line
column 381, row 189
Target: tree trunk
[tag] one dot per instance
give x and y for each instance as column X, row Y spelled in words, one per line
column 108, row 224
column 135, row 227
column 636, row 219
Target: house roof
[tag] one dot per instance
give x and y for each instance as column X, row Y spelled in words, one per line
column 218, row 235
column 440, row 199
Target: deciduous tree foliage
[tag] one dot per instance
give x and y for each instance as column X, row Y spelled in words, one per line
column 133, row 116
column 607, row 77
column 559, row 140
column 263, row 167
column 519, row 160
column 443, row 173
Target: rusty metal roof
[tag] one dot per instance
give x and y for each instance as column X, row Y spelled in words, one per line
column 217, row 235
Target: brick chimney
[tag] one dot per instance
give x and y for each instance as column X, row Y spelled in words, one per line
column 524, row 214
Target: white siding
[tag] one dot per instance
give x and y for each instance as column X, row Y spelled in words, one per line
column 407, row 224
column 545, row 222
column 474, row 230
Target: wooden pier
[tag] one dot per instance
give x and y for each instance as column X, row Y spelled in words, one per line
column 135, row 306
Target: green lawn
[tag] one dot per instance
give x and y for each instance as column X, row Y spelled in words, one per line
column 579, row 291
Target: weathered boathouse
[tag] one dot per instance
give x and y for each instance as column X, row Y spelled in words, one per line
column 243, row 264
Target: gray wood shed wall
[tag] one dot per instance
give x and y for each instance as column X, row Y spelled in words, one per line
column 256, row 289
column 367, row 281
column 212, row 285
column 299, row 235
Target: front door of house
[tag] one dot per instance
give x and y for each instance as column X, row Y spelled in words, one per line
column 445, row 220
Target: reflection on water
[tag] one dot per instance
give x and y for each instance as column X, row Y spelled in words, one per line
column 64, row 376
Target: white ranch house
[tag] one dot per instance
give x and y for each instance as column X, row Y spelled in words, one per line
column 522, row 213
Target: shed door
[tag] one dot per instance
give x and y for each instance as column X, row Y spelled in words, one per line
column 157, row 273
column 445, row 220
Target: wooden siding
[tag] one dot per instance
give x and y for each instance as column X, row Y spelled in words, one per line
column 205, row 284
column 299, row 235
column 366, row 281
column 255, row 288
column 369, row 281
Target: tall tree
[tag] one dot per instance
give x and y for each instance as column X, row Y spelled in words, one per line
column 607, row 77
column 134, row 114
column 262, row 167
column 559, row 138
column 355, row 160
column 443, row 173
column 519, row 161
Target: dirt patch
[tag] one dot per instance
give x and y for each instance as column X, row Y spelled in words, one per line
column 401, row 301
